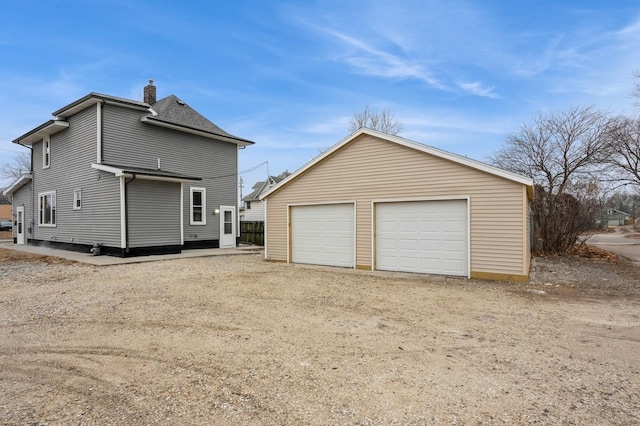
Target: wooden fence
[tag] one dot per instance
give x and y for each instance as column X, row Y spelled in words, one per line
column 252, row 233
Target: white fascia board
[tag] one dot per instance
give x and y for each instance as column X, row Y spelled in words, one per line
column 47, row 129
column 121, row 172
column 19, row 183
column 116, row 171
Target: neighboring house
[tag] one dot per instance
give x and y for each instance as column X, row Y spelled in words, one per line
column 133, row 177
column 616, row 217
column 252, row 209
column 5, row 212
column 380, row 202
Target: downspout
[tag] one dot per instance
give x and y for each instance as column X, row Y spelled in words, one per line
column 32, row 222
column 126, row 212
column 99, row 131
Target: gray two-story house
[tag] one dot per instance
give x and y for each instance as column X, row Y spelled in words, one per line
column 130, row 177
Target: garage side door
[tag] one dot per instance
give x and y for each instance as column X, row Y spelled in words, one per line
column 425, row 236
column 323, row 234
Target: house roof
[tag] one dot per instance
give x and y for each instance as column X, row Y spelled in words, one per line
column 260, row 187
column 17, row 184
column 254, row 195
column 474, row 164
column 168, row 112
column 142, row 173
column 172, row 112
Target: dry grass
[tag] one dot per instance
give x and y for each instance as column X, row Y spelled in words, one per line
column 15, row 256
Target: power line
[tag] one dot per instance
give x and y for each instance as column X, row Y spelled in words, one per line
column 238, row 173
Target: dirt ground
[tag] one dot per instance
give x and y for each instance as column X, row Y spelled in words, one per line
column 237, row 340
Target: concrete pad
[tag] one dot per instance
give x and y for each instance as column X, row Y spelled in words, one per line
column 105, row 260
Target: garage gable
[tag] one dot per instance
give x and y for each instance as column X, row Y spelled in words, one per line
column 438, row 153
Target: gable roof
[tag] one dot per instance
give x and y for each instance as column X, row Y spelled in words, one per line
column 17, row 184
column 168, row 112
column 474, row 164
column 261, row 186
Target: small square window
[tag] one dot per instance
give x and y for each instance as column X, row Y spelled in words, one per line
column 77, row 199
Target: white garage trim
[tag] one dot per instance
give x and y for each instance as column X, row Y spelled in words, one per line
column 348, row 259
column 374, row 224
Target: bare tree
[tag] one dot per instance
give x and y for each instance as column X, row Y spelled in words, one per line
column 384, row 121
column 563, row 152
column 20, row 165
column 624, row 146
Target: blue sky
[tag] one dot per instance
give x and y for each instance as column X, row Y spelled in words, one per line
column 289, row 75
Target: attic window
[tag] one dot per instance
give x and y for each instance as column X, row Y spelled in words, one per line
column 180, row 102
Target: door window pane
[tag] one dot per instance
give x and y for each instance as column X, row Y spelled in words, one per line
column 228, row 222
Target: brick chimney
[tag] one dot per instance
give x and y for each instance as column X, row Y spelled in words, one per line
column 150, row 93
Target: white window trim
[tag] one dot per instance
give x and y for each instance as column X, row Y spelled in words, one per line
column 204, row 206
column 77, row 196
column 53, row 204
column 46, row 152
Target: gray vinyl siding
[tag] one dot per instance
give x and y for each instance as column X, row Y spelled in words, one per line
column 130, row 142
column 154, row 213
column 72, row 152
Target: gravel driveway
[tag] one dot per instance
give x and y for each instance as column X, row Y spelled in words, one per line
column 625, row 241
column 236, row 340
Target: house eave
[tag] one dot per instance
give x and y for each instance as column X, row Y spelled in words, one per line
column 17, row 184
column 49, row 128
column 94, row 98
column 474, row 164
column 210, row 135
column 141, row 174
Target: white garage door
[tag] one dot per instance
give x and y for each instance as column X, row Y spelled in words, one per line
column 425, row 236
column 323, row 234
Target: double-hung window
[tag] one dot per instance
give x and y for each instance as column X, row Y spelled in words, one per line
column 47, row 208
column 77, row 199
column 198, row 206
column 46, row 152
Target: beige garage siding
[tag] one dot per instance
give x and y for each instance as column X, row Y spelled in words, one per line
column 372, row 169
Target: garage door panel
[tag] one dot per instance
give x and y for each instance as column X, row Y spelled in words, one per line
column 323, row 234
column 425, row 236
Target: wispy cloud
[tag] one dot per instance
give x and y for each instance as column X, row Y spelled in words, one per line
column 479, row 89
column 373, row 61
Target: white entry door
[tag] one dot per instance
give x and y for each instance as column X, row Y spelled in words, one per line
column 19, row 225
column 227, row 226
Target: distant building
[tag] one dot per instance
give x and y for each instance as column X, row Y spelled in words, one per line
column 252, row 209
column 614, row 217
